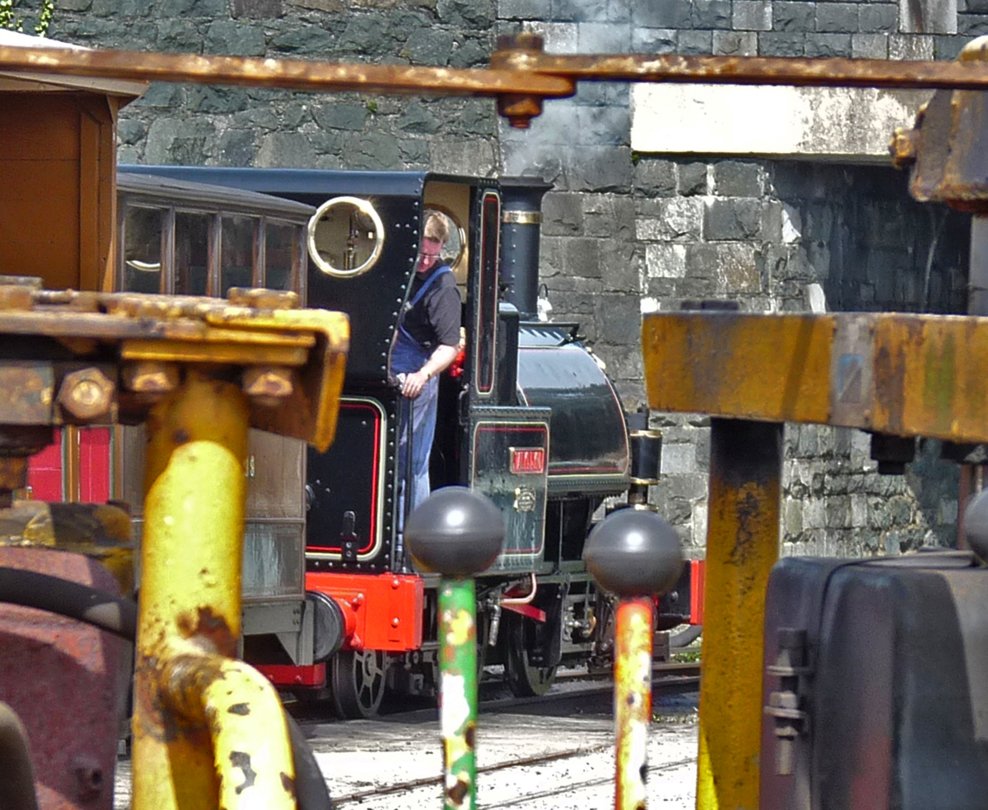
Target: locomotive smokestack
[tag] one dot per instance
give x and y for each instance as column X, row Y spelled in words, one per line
column 521, row 225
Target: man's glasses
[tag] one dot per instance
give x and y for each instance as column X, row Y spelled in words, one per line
column 426, row 255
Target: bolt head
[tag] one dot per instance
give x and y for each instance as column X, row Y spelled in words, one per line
column 86, row 394
column 455, row 532
column 634, row 552
column 268, row 385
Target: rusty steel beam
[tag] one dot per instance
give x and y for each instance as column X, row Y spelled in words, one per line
column 288, row 74
column 126, row 348
column 894, row 373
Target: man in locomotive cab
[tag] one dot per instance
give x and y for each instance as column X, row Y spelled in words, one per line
column 425, row 345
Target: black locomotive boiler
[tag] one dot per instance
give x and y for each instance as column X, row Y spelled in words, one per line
column 528, row 418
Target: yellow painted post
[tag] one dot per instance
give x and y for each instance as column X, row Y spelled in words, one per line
column 189, row 616
column 742, row 546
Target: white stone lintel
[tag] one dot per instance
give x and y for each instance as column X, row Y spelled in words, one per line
column 847, row 124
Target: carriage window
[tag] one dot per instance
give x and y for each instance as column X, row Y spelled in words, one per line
column 237, row 253
column 142, row 250
column 346, row 236
column 281, row 256
column 191, row 253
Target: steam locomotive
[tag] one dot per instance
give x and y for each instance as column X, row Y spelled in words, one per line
column 528, row 417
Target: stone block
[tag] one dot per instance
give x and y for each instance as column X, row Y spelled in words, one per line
column 725, row 268
column 878, row 18
column 665, row 261
column 712, row 14
column 591, row 168
column 218, row 100
column 304, row 39
column 678, row 459
column 732, row 178
column 735, row 43
column 692, row 179
column 471, row 157
column 418, row 119
column 622, row 262
column 256, row 9
column 947, row 47
column 732, row 219
column 466, row 13
column 178, row 140
column 340, row 115
column 826, row 45
column 618, row 318
column 973, row 25
column 603, row 37
column 928, row 16
column 910, row 47
column 653, row 40
column 869, row 46
column 679, row 219
column 609, row 216
column 285, row 150
column 655, row 178
column 699, row 43
column 239, row 39
column 839, row 18
column 235, row 147
column 581, row 258
column 777, row 43
column 523, row 10
column 662, row 14
column 752, row 15
column 794, row 16
column 470, row 53
column 562, row 214
column 333, row 6
column 597, row 126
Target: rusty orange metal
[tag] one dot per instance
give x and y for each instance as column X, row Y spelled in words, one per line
column 632, row 699
column 742, row 547
column 895, row 373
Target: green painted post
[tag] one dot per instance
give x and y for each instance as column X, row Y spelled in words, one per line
column 456, row 533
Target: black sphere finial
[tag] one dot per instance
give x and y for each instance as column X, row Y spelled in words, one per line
column 455, row 532
column 634, row 552
column 976, row 525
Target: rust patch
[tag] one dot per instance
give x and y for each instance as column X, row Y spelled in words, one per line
column 288, row 784
column 470, row 735
column 241, row 760
column 458, row 792
column 180, row 436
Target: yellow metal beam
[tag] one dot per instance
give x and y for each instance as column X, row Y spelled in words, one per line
column 902, row 374
column 742, row 547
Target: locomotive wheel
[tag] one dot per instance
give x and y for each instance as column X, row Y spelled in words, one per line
column 524, row 679
column 357, row 683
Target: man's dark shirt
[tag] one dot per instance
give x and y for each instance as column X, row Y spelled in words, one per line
column 435, row 319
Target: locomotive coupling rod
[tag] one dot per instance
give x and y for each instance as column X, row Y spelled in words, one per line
column 636, row 555
column 208, row 732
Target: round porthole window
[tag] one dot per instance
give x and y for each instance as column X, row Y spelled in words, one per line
column 346, row 237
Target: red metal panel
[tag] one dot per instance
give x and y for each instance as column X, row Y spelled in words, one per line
column 44, row 472
column 67, row 682
column 313, row 675
column 697, row 582
column 94, row 465
column 385, row 610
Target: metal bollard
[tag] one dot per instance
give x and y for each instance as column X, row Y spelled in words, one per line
column 456, row 533
column 635, row 554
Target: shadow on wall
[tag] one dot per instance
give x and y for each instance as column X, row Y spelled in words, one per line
column 869, row 244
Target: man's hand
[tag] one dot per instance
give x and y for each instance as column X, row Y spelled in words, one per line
column 414, row 383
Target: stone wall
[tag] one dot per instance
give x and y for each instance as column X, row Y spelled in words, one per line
column 242, row 127
column 624, row 232
column 625, row 227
